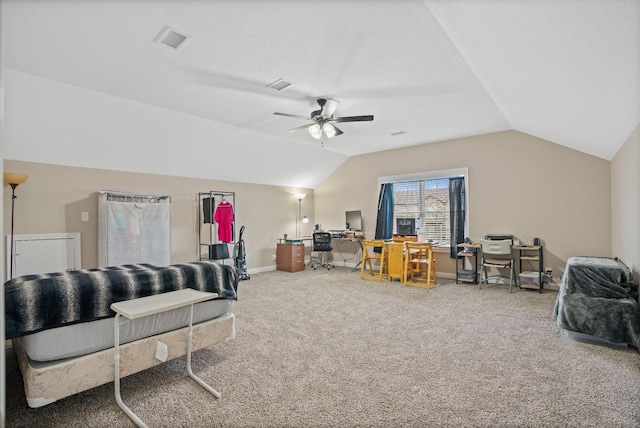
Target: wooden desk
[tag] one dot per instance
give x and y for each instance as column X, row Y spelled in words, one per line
column 298, row 240
column 405, row 238
column 531, row 253
column 357, row 255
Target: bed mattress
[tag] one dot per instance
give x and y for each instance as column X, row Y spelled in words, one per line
column 89, row 337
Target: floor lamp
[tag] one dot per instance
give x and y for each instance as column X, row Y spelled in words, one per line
column 300, row 197
column 13, row 180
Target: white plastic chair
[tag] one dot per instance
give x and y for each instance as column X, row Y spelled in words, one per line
column 498, row 255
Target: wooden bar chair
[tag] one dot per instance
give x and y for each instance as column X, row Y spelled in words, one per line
column 419, row 265
column 370, row 255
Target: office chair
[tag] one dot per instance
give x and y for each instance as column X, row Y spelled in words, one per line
column 497, row 254
column 321, row 249
column 419, row 265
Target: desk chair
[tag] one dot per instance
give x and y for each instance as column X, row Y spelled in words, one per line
column 497, row 254
column 419, row 265
column 321, row 250
column 370, row 255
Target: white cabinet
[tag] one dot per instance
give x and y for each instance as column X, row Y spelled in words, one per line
column 44, row 253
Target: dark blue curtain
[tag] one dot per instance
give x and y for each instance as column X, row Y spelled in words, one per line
column 456, row 212
column 384, row 223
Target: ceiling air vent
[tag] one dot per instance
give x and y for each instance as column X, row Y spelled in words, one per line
column 171, row 37
column 280, row 84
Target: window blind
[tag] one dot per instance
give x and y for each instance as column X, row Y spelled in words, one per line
column 428, row 202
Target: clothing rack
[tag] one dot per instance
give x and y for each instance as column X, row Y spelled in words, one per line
column 208, row 242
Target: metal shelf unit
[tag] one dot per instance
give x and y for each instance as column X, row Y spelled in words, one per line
column 534, row 255
column 207, row 227
column 469, row 252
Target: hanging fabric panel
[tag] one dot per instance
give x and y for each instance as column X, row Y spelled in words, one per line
column 384, row 221
column 457, row 213
column 134, row 229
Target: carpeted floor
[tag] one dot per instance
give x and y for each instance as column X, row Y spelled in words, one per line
column 325, row 349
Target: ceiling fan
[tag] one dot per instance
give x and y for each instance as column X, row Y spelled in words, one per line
column 322, row 120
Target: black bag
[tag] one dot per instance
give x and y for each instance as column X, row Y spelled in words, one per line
column 218, row 251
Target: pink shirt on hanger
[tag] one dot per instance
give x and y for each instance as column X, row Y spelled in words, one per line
column 224, row 217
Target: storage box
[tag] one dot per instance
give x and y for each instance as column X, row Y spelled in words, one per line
column 530, row 278
column 218, row 251
column 467, row 274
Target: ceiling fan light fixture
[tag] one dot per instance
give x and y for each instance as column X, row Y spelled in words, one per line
column 329, row 130
column 315, row 131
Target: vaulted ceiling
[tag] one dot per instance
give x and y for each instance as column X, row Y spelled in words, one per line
column 90, row 77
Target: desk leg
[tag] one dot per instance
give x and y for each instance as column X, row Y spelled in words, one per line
column 358, row 256
column 116, row 380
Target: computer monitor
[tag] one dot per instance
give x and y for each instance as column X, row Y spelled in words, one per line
column 353, row 220
column 406, row 226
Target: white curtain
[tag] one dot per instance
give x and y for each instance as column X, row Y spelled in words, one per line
column 134, row 229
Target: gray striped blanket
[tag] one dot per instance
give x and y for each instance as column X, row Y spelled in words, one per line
column 38, row 302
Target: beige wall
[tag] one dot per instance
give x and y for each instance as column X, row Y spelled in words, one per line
column 53, row 198
column 518, row 184
column 625, row 202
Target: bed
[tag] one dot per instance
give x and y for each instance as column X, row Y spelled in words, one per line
column 598, row 302
column 62, row 329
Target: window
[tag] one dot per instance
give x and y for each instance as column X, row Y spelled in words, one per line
column 425, row 198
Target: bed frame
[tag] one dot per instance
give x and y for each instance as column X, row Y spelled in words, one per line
column 45, row 383
column 89, row 295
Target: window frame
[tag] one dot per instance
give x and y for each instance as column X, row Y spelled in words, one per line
column 427, row 175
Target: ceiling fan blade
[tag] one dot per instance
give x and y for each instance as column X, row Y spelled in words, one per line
column 338, row 131
column 297, row 116
column 301, row 127
column 353, row 118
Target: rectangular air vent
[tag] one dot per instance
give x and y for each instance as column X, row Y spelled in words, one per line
column 280, row 84
column 171, row 37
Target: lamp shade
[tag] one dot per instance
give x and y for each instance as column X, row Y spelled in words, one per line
column 329, row 130
column 315, row 131
column 14, row 178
